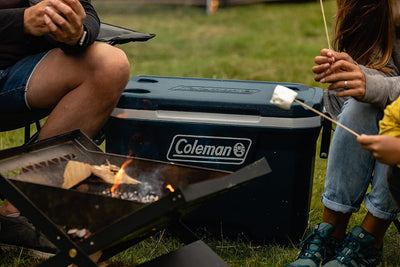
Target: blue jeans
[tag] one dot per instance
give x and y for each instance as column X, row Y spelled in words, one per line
column 14, row 81
column 352, row 169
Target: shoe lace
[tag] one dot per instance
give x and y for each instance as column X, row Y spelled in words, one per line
column 349, row 251
column 314, row 243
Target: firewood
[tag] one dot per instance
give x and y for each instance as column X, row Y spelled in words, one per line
column 109, row 173
column 75, row 172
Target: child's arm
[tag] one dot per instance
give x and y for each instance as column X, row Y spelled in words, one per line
column 384, row 148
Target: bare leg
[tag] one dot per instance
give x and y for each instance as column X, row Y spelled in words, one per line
column 82, row 90
column 376, row 227
column 338, row 220
column 7, row 208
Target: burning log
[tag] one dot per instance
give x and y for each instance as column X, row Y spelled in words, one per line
column 75, row 172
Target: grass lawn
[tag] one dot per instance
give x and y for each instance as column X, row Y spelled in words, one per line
column 266, row 42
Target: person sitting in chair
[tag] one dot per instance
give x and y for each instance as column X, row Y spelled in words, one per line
column 48, row 60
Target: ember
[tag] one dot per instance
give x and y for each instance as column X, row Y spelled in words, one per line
column 170, row 188
column 78, row 234
column 142, row 197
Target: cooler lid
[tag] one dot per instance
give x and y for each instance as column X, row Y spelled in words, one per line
column 144, row 92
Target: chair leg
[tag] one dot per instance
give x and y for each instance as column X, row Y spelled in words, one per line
column 28, row 138
column 27, row 133
column 38, row 125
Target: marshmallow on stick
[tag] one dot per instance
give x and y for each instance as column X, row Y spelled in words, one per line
column 283, row 97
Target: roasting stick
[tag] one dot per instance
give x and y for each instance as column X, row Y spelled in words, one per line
column 312, row 109
column 326, row 27
column 326, row 117
column 283, row 97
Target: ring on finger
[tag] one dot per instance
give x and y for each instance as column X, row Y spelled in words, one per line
column 345, row 85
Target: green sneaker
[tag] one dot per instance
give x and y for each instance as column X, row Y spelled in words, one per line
column 317, row 247
column 357, row 251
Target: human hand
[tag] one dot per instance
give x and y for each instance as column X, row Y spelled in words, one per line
column 339, row 69
column 61, row 18
column 65, row 19
column 34, row 19
column 384, row 148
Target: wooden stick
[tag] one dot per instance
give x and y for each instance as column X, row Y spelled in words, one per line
column 326, row 27
column 326, row 117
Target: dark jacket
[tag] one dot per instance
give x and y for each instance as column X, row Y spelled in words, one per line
column 15, row 44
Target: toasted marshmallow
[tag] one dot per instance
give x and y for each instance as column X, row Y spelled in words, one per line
column 283, row 97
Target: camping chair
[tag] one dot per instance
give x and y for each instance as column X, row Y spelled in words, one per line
column 109, row 34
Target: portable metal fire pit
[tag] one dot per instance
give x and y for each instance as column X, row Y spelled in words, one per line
column 32, row 175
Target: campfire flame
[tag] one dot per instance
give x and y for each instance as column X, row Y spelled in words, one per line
column 170, row 188
column 118, row 177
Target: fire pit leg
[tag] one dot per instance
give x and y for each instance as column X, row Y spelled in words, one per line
column 182, row 231
column 69, row 251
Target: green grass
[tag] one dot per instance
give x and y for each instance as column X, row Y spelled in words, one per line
column 268, row 42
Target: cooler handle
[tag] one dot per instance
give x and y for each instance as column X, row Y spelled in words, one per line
column 325, row 138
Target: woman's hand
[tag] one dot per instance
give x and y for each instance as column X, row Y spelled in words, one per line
column 340, row 70
column 384, row 148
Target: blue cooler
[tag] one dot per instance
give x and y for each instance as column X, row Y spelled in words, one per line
column 227, row 124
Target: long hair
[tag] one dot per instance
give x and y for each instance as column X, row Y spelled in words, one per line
column 365, row 30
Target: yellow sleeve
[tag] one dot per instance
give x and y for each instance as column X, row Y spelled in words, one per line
column 390, row 124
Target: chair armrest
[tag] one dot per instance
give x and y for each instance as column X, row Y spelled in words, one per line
column 118, row 35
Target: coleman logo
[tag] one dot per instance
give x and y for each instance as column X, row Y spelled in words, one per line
column 209, row 149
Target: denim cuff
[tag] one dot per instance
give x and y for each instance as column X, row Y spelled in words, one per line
column 384, row 215
column 337, row 206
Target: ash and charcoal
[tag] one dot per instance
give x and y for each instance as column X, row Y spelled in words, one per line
column 78, row 234
column 142, row 195
column 145, row 192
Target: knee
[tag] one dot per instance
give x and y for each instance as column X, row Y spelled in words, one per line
column 360, row 116
column 109, row 66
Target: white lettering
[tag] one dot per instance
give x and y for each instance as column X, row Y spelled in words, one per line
column 187, row 149
column 199, row 149
column 209, row 149
column 183, row 147
column 178, row 151
column 194, row 146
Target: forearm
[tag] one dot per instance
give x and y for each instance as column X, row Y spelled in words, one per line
column 381, row 90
